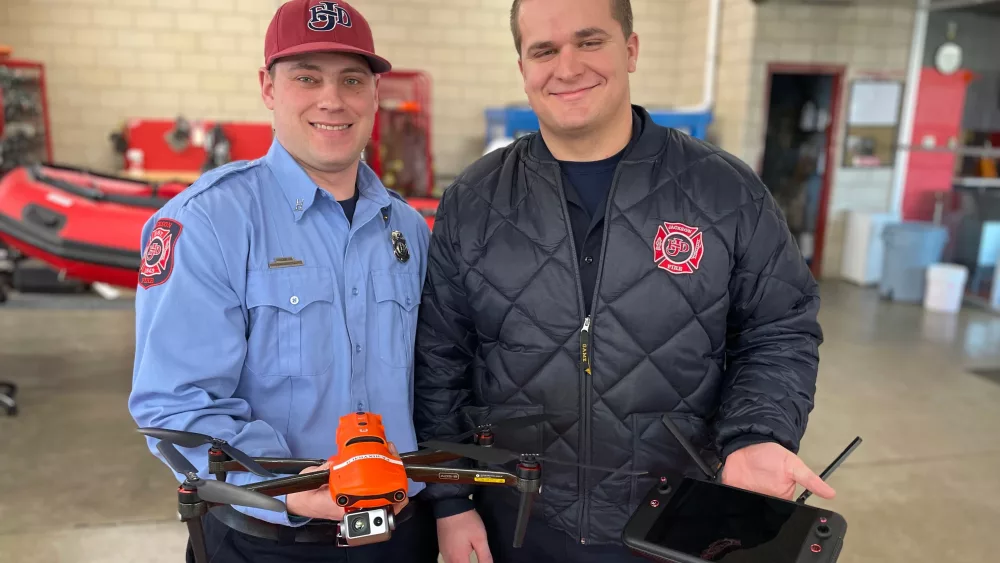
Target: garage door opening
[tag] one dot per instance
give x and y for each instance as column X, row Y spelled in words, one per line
column 802, row 113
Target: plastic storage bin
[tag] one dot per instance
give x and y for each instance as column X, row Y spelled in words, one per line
column 910, row 248
column 945, row 287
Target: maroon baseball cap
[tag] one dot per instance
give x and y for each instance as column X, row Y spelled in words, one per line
column 314, row 26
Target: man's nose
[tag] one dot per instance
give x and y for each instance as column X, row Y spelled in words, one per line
column 568, row 65
column 330, row 98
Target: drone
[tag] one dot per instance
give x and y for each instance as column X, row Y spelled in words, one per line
column 365, row 477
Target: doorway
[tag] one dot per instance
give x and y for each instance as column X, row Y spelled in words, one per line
column 801, row 116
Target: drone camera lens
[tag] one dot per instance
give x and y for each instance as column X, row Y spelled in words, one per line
column 377, row 522
column 359, row 525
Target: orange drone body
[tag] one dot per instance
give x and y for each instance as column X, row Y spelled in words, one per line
column 364, row 473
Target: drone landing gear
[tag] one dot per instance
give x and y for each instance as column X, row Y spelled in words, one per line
column 191, row 510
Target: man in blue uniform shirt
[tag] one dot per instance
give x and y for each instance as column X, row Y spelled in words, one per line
column 279, row 294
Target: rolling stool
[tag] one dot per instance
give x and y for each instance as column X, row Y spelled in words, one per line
column 7, row 392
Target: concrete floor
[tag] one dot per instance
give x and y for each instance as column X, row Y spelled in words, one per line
column 77, row 484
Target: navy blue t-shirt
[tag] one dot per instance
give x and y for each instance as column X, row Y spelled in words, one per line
column 592, row 180
column 349, row 206
column 587, row 185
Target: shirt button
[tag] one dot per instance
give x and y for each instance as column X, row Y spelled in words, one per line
column 354, row 291
column 407, row 300
column 357, row 348
column 589, row 259
column 294, row 300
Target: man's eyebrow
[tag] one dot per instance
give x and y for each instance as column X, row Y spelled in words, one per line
column 356, row 70
column 589, row 32
column 581, row 34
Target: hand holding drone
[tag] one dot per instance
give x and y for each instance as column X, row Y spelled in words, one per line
column 365, row 477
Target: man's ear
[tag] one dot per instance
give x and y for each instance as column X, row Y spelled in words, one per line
column 633, row 52
column 266, row 87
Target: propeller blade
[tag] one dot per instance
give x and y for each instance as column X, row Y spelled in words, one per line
column 224, row 493
column 177, row 437
column 193, row 440
column 508, row 424
column 246, row 461
column 586, row 466
column 175, row 460
column 478, row 453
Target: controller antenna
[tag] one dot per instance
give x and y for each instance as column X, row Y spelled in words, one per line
column 689, row 448
column 832, row 467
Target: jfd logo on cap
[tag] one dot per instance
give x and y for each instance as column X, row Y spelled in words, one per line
column 325, row 16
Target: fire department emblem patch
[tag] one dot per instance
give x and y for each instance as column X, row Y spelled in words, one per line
column 158, row 258
column 678, row 248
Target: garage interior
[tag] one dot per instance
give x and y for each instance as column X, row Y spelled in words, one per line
column 876, row 124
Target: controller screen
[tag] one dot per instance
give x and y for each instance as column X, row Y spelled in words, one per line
column 717, row 523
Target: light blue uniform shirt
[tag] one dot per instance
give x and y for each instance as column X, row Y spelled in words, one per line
column 269, row 358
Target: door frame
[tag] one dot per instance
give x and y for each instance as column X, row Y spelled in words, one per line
column 838, row 72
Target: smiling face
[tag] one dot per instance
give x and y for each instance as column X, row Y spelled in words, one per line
column 324, row 108
column 575, row 60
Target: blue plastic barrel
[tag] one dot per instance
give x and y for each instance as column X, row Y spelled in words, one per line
column 910, row 248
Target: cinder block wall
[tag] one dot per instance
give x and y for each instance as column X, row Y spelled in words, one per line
column 869, row 39
column 109, row 60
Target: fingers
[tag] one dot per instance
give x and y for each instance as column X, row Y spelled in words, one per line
column 805, row 477
column 392, row 449
column 315, row 468
column 482, row 548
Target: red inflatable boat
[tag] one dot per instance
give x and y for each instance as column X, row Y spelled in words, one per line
column 84, row 224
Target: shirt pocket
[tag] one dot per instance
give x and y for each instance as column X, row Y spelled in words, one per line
column 291, row 321
column 397, row 295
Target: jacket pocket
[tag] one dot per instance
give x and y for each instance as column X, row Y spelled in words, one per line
column 396, row 298
column 291, row 321
column 656, row 450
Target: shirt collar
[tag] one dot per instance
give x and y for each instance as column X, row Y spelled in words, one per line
column 301, row 191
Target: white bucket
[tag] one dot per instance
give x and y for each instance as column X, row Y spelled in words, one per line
column 945, row 287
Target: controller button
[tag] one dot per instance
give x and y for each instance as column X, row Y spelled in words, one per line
column 823, row 531
column 815, row 548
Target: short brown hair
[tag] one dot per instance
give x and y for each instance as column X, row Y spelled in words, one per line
column 621, row 10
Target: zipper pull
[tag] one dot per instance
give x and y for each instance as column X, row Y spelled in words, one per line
column 585, row 346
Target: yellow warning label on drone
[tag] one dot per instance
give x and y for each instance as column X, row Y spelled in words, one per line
column 481, row 479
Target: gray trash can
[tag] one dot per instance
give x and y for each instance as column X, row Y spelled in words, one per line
column 910, row 247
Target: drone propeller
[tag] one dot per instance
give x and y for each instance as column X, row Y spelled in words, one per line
column 500, row 456
column 193, row 440
column 507, row 424
column 216, row 491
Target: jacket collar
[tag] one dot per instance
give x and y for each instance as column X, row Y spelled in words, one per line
column 647, row 140
column 301, row 191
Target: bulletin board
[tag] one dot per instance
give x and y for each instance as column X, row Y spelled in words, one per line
column 873, row 113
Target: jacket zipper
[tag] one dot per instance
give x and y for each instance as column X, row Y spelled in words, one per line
column 586, row 335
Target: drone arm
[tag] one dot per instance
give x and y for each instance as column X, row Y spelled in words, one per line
column 292, row 484
column 281, row 466
column 428, row 457
column 432, row 474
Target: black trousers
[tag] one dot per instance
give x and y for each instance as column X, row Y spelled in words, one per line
column 542, row 544
column 413, row 540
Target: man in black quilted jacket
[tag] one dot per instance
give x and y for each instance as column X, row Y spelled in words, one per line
column 609, row 272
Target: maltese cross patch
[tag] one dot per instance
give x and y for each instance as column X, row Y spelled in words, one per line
column 158, row 257
column 678, row 248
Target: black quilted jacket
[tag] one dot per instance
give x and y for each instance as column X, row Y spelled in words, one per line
column 704, row 310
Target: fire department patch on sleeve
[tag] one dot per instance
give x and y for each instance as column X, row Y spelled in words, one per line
column 678, row 248
column 158, row 257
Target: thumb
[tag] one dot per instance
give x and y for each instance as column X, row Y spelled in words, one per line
column 805, row 477
column 392, row 449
